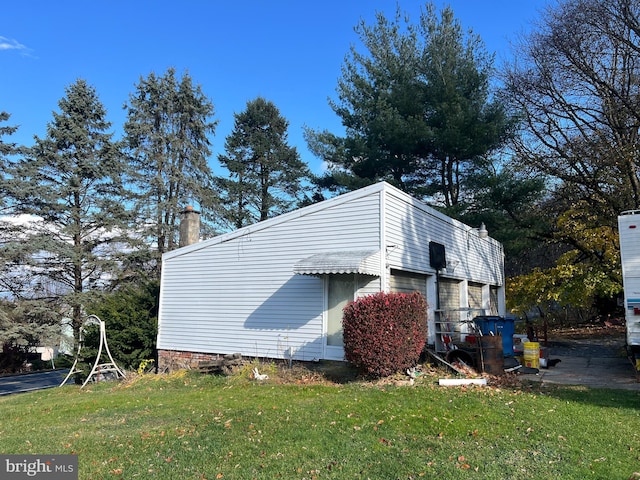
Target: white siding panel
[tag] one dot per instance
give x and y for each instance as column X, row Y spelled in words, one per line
column 238, row 293
column 411, row 225
column 368, row 285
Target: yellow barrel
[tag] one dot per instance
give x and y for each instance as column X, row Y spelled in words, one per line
column 531, row 354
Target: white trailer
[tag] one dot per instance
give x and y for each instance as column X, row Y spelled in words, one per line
column 629, row 231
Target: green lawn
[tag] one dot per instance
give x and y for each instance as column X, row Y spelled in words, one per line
column 191, row 426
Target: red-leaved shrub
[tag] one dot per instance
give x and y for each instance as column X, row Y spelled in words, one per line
column 385, row 333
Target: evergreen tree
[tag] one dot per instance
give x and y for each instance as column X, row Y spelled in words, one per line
column 511, row 205
column 266, row 174
column 465, row 124
column 7, row 150
column 69, row 187
column 416, row 107
column 131, row 318
column 169, row 121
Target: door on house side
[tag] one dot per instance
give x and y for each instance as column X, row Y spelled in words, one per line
column 341, row 289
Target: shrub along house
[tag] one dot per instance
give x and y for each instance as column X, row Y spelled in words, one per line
column 276, row 289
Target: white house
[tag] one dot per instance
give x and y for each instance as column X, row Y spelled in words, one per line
column 276, row 289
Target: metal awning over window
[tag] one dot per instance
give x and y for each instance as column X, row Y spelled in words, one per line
column 364, row 262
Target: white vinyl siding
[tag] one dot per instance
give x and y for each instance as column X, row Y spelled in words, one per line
column 368, row 285
column 238, row 292
column 410, row 226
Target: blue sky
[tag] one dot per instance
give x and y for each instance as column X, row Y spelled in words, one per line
column 288, row 51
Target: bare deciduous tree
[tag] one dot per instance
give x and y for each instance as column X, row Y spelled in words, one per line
column 577, row 81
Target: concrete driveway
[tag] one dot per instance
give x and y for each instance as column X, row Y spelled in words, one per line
column 595, row 372
column 597, row 361
column 33, row 381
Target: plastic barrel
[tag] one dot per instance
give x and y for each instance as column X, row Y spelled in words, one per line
column 492, row 356
column 501, row 326
column 531, row 354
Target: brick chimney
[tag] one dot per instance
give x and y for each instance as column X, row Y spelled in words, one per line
column 189, row 226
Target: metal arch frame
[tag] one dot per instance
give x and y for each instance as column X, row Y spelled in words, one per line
column 98, row 367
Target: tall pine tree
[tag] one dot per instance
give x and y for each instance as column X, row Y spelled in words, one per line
column 70, row 189
column 416, row 108
column 266, row 174
column 169, row 121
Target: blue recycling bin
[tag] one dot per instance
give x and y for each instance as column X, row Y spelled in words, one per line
column 498, row 326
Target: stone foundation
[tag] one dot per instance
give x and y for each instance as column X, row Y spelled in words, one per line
column 171, row 360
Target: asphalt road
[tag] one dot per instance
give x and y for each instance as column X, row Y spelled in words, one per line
column 32, row 381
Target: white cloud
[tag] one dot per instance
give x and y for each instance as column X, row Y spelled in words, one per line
column 11, row 44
